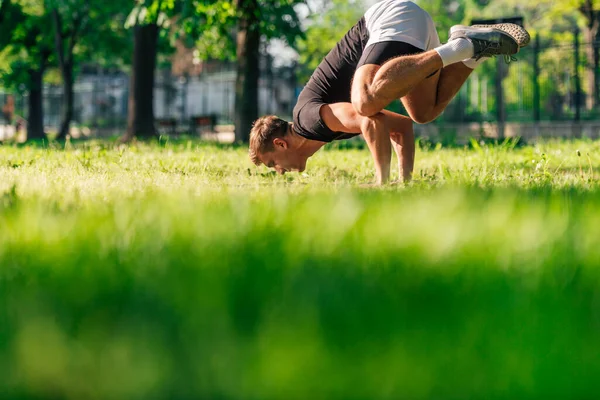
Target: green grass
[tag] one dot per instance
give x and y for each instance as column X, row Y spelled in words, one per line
column 180, row 271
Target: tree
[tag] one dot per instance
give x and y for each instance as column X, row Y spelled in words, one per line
column 26, row 53
column 209, row 23
column 591, row 32
column 156, row 25
column 3, row 6
column 74, row 30
column 248, row 68
column 69, row 19
column 76, row 24
column 585, row 15
column 148, row 18
column 325, row 29
column 557, row 20
column 255, row 20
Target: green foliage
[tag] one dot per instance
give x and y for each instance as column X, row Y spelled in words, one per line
column 28, row 35
column 215, row 23
column 178, row 270
column 94, row 29
column 3, row 5
column 106, row 41
column 327, row 24
column 153, row 12
column 104, row 38
column 278, row 19
column 545, row 17
column 25, row 43
column 210, row 24
column 446, row 13
column 554, row 23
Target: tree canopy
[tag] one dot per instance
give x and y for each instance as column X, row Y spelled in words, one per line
column 62, row 35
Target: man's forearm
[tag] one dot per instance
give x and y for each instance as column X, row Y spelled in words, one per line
column 404, row 145
column 408, row 155
column 377, row 136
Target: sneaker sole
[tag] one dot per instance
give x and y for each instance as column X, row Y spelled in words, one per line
column 517, row 32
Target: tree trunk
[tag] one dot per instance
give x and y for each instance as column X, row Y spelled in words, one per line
column 246, row 85
column 140, row 119
column 596, row 72
column 591, row 32
column 592, row 17
column 35, row 124
column 67, row 115
column 3, row 7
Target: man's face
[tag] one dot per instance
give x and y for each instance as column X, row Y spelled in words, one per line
column 283, row 158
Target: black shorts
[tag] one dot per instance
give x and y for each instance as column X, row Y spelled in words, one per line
column 307, row 119
column 379, row 53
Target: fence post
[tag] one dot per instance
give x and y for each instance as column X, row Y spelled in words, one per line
column 595, row 61
column 536, row 79
column 500, row 106
column 577, row 77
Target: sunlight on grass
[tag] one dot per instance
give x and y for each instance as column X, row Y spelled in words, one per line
column 182, row 271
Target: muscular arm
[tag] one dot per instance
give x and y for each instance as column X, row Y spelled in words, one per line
column 342, row 117
column 377, row 136
column 404, row 146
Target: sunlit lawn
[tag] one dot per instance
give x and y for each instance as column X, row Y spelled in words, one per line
column 179, row 270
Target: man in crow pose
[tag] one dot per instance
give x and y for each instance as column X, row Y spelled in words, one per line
column 393, row 52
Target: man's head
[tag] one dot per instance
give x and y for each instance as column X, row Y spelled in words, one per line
column 274, row 143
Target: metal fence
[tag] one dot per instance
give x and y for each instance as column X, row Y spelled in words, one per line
column 101, row 99
column 550, row 81
column 100, row 102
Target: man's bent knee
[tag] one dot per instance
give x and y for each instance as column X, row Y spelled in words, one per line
column 362, row 96
column 421, row 119
column 423, row 116
column 364, row 105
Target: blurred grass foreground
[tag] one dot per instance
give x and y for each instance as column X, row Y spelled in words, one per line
column 189, row 289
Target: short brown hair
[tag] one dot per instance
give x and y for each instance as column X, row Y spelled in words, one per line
column 264, row 130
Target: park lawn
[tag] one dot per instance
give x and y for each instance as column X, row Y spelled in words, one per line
column 178, row 270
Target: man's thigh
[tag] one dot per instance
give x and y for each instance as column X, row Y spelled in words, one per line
column 422, row 98
column 427, row 101
column 373, row 57
column 419, row 100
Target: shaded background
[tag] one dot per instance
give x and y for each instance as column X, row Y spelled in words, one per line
column 201, row 70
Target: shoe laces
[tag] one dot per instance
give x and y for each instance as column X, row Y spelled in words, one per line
column 508, row 58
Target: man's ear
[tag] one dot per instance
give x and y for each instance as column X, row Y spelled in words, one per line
column 279, row 142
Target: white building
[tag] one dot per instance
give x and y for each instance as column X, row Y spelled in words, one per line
column 101, row 97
